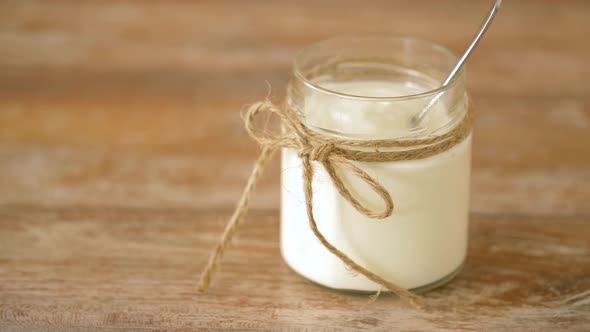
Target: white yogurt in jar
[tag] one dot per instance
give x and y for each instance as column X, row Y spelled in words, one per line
column 423, row 241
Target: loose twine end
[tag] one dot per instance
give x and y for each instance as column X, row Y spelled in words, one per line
column 209, row 270
column 330, row 152
column 202, row 286
column 374, row 297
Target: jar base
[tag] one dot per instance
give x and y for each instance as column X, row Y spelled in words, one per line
column 417, row 290
column 438, row 283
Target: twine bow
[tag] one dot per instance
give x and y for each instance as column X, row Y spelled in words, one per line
column 330, row 152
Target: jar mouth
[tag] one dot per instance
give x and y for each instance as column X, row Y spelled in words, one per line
column 306, row 80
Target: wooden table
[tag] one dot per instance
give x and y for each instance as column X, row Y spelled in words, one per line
column 113, row 114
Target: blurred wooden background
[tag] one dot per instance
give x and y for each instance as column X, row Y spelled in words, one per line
column 113, row 113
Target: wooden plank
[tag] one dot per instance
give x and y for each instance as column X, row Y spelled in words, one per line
column 94, row 268
column 120, row 46
column 529, row 156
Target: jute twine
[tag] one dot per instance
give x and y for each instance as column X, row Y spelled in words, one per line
column 331, row 152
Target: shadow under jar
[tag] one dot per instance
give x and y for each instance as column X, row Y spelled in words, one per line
column 369, row 88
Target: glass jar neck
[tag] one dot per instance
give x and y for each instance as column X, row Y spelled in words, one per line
column 372, row 87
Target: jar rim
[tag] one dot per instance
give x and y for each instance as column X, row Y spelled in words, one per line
column 318, row 87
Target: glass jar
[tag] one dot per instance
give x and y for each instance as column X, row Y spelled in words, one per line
column 369, row 88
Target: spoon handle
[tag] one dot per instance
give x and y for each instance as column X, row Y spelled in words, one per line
column 482, row 29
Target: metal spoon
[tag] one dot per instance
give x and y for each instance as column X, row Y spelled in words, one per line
column 484, row 26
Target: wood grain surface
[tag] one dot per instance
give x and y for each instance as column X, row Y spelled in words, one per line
column 114, row 114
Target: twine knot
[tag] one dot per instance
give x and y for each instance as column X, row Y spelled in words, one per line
column 331, row 152
column 319, row 152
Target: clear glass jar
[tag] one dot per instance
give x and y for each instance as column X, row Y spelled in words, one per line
column 370, row 87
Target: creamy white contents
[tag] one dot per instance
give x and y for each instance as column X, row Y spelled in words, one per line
column 424, row 240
